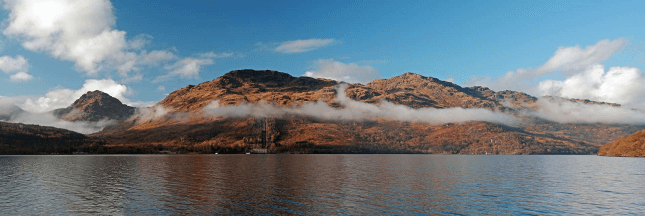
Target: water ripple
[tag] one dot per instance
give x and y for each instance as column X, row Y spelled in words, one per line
column 321, row 184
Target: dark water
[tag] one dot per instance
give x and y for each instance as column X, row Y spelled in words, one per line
column 321, row 184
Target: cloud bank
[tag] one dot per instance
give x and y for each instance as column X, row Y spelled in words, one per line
column 356, row 110
column 80, row 31
column 9, row 112
column 585, row 76
column 350, row 72
column 564, row 111
column 47, row 119
column 621, row 85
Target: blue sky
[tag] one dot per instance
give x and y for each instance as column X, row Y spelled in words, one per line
column 445, row 39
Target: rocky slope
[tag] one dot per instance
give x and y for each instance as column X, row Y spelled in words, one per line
column 185, row 129
column 95, row 106
column 629, row 146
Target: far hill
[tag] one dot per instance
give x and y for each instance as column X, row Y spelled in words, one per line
column 95, row 106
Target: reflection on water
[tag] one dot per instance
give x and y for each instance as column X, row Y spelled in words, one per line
column 321, row 184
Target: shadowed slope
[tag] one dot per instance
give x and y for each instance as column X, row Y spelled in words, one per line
column 18, row 138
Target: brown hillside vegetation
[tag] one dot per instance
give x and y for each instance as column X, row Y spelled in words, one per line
column 628, row 146
column 184, row 129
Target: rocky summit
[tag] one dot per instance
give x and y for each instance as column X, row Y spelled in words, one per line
column 95, row 106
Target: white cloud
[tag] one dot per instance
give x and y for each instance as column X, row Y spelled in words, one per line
column 574, row 59
column 81, row 31
column 10, row 64
column 300, row 46
column 569, row 60
column 617, row 85
column 585, row 76
column 133, row 62
column 139, row 41
column 140, row 103
column 155, row 57
column 17, row 66
column 21, row 77
column 185, row 68
column 217, row 55
column 151, row 113
column 351, row 72
column 189, row 68
column 161, row 88
column 60, row 98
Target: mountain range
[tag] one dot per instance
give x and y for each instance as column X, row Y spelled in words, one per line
column 245, row 110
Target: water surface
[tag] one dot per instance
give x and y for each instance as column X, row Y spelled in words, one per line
column 321, row 184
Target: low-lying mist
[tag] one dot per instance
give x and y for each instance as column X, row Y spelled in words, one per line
column 564, row 111
column 9, row 112
column 48, row 119
column 356, row 110
column 558, row 110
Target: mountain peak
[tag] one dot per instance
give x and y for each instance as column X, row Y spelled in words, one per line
column 95, row 106
column 243, row 86
column 95, row 96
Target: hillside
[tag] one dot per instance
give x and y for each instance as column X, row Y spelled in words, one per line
column 629, row 146
column 186, row 128
column 95, row 106
column 18, row 138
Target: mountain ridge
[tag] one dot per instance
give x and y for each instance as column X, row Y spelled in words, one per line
column 180, row 122
column 376, row 135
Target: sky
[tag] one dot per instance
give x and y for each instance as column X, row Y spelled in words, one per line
column 53, row 51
